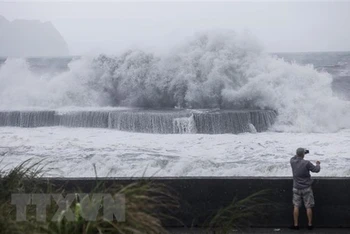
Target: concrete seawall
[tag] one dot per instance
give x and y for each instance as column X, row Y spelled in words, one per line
column 202, row 196
column 147, row 121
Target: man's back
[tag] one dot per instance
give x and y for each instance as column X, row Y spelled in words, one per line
column 302, row 191
column 301, row 172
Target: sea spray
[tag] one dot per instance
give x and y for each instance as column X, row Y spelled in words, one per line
column 217, row 69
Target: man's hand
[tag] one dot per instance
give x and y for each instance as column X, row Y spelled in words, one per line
column 318, row 162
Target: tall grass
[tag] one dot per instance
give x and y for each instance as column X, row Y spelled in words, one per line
column 146, row 204
column 239, row 213
column 21, row 179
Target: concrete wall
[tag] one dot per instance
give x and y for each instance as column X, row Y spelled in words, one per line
column 201, row 197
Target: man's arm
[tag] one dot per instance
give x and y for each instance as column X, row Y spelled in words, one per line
column 314, row 168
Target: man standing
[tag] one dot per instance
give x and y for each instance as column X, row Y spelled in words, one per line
column 302, row 190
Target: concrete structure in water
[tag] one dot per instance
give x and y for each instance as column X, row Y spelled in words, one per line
column 148, row 121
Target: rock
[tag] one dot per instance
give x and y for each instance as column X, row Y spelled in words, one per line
column 30, row 38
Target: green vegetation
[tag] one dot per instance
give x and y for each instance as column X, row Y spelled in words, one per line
column 146, row 204
column 239, row 213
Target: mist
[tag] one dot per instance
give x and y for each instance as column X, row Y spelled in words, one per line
column 113, row 27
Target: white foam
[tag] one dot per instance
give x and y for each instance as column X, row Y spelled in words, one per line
column 72, row 152
column 184, row 125
column 219, row 69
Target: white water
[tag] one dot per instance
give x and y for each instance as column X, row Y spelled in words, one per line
column 72, row 152
column 214, row 70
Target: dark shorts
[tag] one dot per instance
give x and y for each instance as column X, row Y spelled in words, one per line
column 305, row 195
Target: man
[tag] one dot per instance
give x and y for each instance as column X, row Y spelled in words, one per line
column 302, row 190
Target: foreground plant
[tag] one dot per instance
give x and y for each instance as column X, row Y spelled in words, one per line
column 239, row 212
column 21, row 179
column 145, row 204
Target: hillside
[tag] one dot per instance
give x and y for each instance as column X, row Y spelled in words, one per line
column 30, row 38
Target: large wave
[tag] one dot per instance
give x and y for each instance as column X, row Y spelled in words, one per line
column 218, row 69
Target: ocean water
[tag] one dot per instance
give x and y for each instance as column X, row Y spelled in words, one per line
column 73, row 152
column 108, row 105
column 335, row 63
column 225, row 71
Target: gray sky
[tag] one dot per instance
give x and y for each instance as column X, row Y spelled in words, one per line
column 114, row 26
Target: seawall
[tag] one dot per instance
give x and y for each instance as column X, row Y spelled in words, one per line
column 201, row 196
column 147, row 121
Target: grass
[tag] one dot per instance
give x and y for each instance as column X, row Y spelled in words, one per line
column 239, row 213
column 146, row 205
column 18, row 180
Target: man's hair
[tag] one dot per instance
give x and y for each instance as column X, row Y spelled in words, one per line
column 300, row 152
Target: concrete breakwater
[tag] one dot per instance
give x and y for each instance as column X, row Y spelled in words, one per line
column 148, row 121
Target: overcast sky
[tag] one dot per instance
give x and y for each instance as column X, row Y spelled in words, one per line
column 114, row 26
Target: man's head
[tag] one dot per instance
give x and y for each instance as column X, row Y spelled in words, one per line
column 301, row 152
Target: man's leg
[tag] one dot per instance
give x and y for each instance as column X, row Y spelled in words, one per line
column 297, row 204
column 296, row 215
column 309, row 216
column 309, row 202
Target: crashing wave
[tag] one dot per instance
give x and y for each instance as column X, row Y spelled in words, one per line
column 217, row 69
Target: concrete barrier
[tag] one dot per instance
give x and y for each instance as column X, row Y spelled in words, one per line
column 202, row 196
